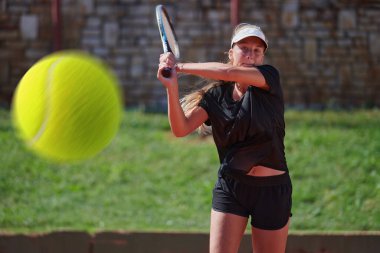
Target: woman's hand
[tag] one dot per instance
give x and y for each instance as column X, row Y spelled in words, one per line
column 167, row 60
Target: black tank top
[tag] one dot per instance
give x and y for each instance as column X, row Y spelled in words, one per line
column 251, row 131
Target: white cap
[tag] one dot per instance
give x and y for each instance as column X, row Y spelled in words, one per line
column 249, row 31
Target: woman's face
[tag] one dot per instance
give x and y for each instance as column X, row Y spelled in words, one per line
column 247, row 52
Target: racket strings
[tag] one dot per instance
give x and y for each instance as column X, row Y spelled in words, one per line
column 170, row 36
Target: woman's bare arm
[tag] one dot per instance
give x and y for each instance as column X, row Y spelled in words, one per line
column 220, row 71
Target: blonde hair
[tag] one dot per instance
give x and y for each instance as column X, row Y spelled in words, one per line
column 190, row 101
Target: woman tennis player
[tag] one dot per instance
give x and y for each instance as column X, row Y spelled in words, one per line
column 245, row 110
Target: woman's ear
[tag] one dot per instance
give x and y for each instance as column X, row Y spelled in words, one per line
column 230, row 55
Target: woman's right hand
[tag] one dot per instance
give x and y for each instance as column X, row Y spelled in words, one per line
column 167, row 60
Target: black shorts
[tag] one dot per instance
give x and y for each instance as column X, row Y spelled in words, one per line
column 268, row 200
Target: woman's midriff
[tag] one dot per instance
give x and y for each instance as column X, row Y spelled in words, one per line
column 262, row 171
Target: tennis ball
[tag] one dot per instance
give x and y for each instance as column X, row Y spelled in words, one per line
column 67, row 107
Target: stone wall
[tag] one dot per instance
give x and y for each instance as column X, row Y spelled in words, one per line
column 327, row 51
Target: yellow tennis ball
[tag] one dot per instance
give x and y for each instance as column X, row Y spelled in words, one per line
column 67, row 106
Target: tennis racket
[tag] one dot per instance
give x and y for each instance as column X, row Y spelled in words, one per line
column 168, row 37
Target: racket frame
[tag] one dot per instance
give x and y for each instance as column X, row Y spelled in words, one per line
column 161, row 14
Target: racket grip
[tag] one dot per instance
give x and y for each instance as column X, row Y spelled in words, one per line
column 166, row 72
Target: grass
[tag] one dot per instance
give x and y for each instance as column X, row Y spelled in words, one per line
column 149, row 180
column 335, row 162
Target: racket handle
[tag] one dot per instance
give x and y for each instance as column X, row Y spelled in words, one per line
column 166, row 72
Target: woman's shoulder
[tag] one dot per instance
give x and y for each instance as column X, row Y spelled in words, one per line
column 272, row 78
